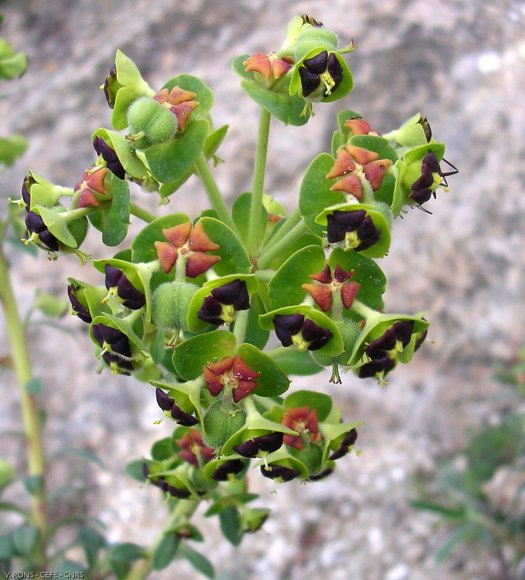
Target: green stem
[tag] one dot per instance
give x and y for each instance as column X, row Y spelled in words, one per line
column 28, row 404
column 141, row 213
column 363, row 310
column 269, row 255
column 255, row 235
column 183, row 511
column 241, row 324
column 291, row 221
column 73, row 214
column 214, row 195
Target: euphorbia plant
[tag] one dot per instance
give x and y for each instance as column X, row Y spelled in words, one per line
column 195, row 306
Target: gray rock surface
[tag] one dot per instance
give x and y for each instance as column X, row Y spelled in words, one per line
column 462, row 64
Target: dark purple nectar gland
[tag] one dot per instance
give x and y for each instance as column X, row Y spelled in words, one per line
column 228, row 470
column 110, row 157
column 116, row 348
column 352, row 230
column 122, row 289
column 39, row 233
column 295, row 329
column 77, row 307
column 260, row 446
column 171, row 409
column 220, row 307
column 281, row 472
column 26, row 191
column 348, row 441
column 432, row 177
column 320, row 75
column 392, row 342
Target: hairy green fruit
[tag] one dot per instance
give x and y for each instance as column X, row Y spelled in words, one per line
column 150, row 122
column 170, row 304
column 221, row 423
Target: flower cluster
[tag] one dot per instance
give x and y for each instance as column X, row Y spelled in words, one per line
column 219, row 311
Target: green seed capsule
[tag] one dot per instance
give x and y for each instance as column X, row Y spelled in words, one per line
column 221, row 423
column 171, row 301
column 150, row 122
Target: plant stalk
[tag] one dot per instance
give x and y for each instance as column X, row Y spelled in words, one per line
column 29, row 406
column 269, row 255
column 214, row 195
column 141, row 213
column 255, row 235
column 183, row 510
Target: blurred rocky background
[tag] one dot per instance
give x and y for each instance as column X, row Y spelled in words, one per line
column 462, row 64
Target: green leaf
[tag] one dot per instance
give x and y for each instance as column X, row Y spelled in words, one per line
column 57, row 224
column 121, row 557
column 272, row 381
column 285, row 287
column 231, row 524
column 197, row 560
column 71, row 569
column 33, row 484
column 135, row 470
column 254, row 333
column 282, row 106
column 315, row 194
column 238, row 67
column 446, row 512
column 12, row 64
column 162, row 449
column 85, row 454
column 294, row 362
column 49, row 304
column 171, row 160
column 234, row 259
column 116, row 219
column 165, row 551
column 7, row 506
column 319, row 401
column 92, row 541
column 214, row 140
column 34, row 386
column 127, row 552
column 7, row 548
column 7, row 473
column 198, row 351
column 25, row 539
column 11, row 148
column 241, row 215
